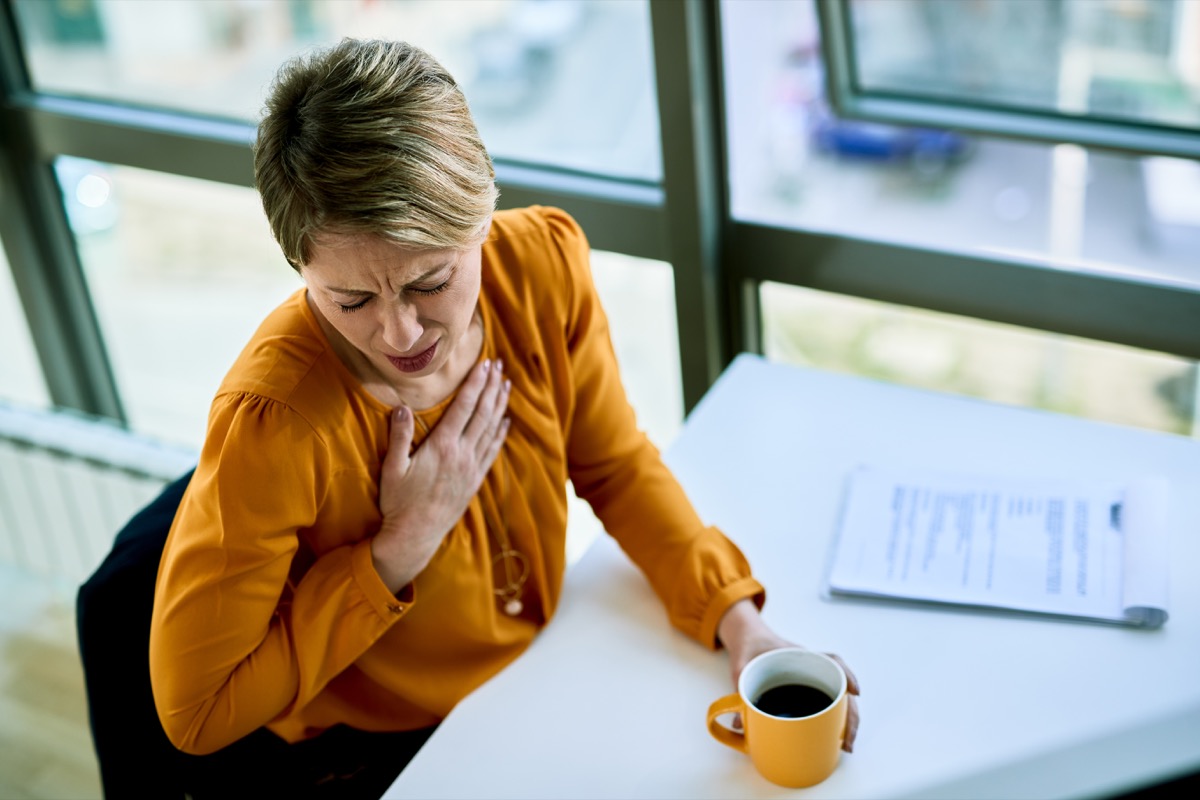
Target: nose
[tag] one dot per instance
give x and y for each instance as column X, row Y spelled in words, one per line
column 402, row 328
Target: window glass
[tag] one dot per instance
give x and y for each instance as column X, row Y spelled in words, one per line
column 995, row 362
column 21, row 379
column 561, row 82
column 793, row 164
column 1133, row 60
column 181, row 271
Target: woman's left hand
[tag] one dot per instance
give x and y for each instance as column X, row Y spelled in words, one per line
column 745, row 635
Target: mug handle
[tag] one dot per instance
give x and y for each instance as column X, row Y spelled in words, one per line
column 728, row 703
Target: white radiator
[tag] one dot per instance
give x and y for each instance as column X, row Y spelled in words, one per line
column 69, row 483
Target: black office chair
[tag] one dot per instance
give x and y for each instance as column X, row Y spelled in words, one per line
column 113, row 611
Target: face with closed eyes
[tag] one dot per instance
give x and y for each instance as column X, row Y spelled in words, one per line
column 395, row 315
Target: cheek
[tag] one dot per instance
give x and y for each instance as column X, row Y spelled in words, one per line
column 456, row 307
column 354, row 327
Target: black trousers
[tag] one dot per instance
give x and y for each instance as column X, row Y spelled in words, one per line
column 136, row 759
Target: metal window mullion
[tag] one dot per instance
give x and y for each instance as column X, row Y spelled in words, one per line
column 162, row 141
column 50, row 283
column 618, row 214
column 687, row 85
column 743, row 299
column 41, row 253
column 1157, row 316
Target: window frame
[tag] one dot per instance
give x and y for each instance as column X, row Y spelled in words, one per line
column 718, row 262
column 849, row 98
column 41, row 251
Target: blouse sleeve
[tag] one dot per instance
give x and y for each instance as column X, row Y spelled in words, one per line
column 236, row 637
column 694, row 569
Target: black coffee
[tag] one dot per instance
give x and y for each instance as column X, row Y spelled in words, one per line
column 793, row 700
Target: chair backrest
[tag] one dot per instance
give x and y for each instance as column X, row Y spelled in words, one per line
column 69, row 482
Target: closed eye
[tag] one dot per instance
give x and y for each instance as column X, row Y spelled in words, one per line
column 352, row 307
column 435, row 290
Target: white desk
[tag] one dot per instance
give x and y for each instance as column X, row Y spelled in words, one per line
column 609, row 702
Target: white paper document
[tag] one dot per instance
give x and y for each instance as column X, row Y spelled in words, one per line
column 1059, row 547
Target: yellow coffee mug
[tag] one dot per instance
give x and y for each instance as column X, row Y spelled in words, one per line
column 792, row 735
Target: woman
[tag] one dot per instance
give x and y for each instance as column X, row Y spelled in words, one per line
column 377, row 521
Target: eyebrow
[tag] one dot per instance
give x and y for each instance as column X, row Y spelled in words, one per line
column 419, row 279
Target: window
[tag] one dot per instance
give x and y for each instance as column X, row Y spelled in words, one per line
column 1058, row 236
column 181, row 272
column 973, row 224
column 1001, row 363
column 22, row 382
column 1117, row 73
column 543, row 76
column 794, row 163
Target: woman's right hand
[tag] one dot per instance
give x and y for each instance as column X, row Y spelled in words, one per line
column 423, row 495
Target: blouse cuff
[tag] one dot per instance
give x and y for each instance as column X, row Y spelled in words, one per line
column 721, row 602
column 389, row 606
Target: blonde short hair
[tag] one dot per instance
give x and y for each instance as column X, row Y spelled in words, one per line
column 371, row 137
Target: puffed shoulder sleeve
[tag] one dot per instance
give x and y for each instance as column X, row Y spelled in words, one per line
column 238, row 636
column 695, row 570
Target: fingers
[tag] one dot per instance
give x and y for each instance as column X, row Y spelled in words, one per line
column 492, row 449
column 851, row 680
column 489, row 409
column 477, row 410
column 851, row 724
column 461, row 410
column 400, row 441
column 851, row 732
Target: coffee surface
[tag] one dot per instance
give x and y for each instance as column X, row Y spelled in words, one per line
column 793, row 700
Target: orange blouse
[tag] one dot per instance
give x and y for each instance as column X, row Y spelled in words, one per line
column 268, row 610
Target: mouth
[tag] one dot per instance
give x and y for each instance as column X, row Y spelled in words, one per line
column 415, row 363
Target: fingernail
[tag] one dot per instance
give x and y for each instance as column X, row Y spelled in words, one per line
column 487, row 364
column 500, row 365
column 401, row 413
column 507, row 386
